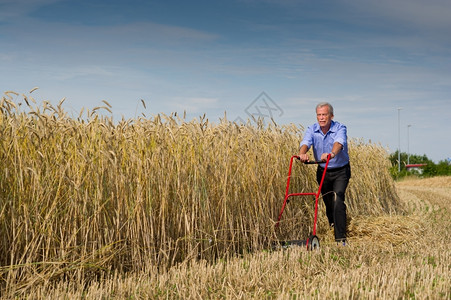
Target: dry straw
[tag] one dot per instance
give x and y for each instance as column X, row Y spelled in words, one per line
column 80, row 197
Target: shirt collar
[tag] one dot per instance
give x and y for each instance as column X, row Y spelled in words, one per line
column 317, row 128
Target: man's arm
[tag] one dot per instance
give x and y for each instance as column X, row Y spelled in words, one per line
column 303, row 153
column 306, row 143
column 336, row 148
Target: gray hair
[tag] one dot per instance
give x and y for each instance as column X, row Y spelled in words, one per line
column 322, row 104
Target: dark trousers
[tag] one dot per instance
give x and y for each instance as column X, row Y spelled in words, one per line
column 333, row 192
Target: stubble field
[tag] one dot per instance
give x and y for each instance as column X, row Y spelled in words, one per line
column 388, row 257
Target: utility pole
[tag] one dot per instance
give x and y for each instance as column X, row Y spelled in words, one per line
column 408, row 151
column 399, row 139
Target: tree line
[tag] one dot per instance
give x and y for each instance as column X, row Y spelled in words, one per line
column 442, row 168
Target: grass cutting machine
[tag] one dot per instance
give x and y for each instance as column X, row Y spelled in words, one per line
column 312, row 242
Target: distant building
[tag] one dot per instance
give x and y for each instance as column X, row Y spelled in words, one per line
column 417, row 168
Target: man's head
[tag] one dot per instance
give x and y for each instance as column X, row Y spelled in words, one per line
column 324, row 114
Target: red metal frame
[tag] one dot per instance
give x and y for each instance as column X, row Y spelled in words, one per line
column 287, row 195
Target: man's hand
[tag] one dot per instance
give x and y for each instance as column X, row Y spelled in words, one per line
column 304, row 157
column 324, row 156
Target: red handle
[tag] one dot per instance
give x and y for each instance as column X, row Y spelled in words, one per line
column 313, row 162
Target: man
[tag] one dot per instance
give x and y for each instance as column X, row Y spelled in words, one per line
column 330, row 137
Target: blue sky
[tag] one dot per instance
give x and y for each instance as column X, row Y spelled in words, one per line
column 368, row 58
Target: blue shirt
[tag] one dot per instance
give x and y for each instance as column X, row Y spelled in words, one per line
column 323, row 143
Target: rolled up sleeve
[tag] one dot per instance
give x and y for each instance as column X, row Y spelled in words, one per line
column 341, row 135
column 308, row 138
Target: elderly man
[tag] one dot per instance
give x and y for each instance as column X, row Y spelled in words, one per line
column 330, row 137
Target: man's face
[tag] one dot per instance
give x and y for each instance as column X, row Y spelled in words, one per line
column 323, row 116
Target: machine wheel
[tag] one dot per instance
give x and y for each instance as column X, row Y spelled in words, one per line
column 313, row 243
